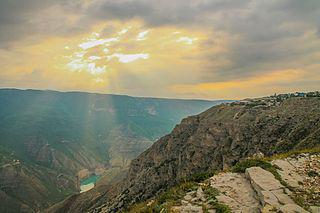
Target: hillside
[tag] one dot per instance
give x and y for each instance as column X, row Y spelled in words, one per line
column 283, row 183
column 48, row 137
column 214, row 140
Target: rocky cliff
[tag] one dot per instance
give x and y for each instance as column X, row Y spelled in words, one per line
column 214, row 140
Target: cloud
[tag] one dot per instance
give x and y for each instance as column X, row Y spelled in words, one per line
column 186, row 40
column 96, row 42
column 142, row 35
column 127, row 58
column 237, row 39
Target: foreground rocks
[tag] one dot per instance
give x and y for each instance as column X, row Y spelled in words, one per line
column 236, row 192
column 258, row 190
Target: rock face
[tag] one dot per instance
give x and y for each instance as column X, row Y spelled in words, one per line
column 236, row 192
column 269, row 189
column 217, row 139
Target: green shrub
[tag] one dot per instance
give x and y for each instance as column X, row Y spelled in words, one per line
column 210, row 193
column 175, row 193
column 222, row 208
column 199, row 177
column 313, row 173
column 241, row 167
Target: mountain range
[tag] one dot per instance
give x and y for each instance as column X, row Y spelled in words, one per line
column 51, row 140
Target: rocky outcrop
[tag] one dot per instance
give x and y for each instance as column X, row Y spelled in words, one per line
column 217, row 140
column 257, row 190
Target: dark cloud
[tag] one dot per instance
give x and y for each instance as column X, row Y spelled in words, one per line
column 35, row 18
column 265, row 34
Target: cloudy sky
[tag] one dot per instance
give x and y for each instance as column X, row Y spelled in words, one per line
column 210, row 49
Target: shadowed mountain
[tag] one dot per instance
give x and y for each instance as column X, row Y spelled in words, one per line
column 47, row 137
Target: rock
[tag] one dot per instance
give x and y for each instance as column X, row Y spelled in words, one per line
column 268, row 208
column 315, row 209
column 184, row 203
column 282, row 197
column 194, row 199
column 191, row 209
column 262, row 180
column 271, row 192
column 268, row 198
column 188, row 197
column 236, row 192
column 200, row 194
column 292, row 208
column 288, row 173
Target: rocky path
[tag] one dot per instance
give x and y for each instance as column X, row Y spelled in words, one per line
column 258, row 190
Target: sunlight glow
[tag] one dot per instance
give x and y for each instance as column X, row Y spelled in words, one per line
column 142, row 35
column 186, row 40
column 127, row 58
column 94, row 43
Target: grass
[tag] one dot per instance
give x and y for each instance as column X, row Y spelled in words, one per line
column 292, row 153
column 313, row 173
column 199, row 177
column 241, row 167
column 165, row 200
column 172, row 196
column 210, row 194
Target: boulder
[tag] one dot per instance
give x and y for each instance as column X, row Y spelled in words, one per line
column 262, row 180
column 292, row 208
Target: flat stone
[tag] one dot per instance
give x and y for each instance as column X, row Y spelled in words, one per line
column 191, row 209
column 292, row 208
column 282, row 197
column 288, row 173
column 315, row 209
column 262, row 180
column 236, row 192
column 228, row 200
column 268, row 198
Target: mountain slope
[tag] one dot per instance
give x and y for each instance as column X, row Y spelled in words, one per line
column 214, row 140
column 53, row 135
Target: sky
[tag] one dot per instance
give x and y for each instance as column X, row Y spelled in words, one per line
column 204, row 49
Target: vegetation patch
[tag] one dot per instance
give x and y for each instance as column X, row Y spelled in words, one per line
column 210, row 194
column 165, row 200
column 199, row 177
column 293, row 153
column 241, row 167
column 313, row 173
